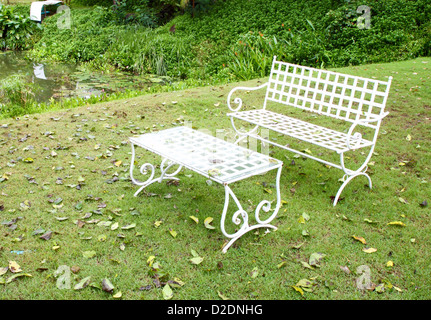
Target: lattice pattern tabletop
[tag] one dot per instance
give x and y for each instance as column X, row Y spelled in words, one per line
column 212, row 157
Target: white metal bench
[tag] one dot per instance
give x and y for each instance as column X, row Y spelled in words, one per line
column 356, row 101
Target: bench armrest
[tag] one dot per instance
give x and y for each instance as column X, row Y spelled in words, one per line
column 360, row 122
column 353, row 139
column 238, row 100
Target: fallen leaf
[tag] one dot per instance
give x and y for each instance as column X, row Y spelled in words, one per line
column 306, row 265
column 89, row 254
column 397, row 223
column 172, row 232
column 345, row 269
column 82, row 284
column 360, row 239
column 369, row 250
column 298, row 289
column 107, row 286
column 223, row 297
column 207, row 223
column 254, row 273
column 402, row 200
column 14, row 267
column 167, row 292
column 195, row 219
column 158, row 223
column 196, row 260
column 3, row 270
column 315, row 258
column 10, row 279
column 46, row 236
column 129, row 226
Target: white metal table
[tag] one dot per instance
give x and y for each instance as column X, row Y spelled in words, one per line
column 214, row 158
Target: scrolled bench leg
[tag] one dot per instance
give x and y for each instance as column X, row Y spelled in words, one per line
column 346, row 181
column 350, row 175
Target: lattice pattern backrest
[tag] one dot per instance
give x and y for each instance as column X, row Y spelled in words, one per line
column 333, row 94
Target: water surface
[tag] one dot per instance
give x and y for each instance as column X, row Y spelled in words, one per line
column 62, row 80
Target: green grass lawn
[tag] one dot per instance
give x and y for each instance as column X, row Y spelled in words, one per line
column 67, row 207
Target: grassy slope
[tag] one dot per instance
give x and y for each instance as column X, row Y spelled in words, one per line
column 84, row 148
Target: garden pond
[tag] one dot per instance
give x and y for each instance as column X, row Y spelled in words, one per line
column 61, row 80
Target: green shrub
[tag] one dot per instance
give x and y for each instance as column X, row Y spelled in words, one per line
column 104, row 3
column 320, row 33
column 144, row 51
column 89, row 36
column 252, row 55
column 17, row 96
column 16, row 28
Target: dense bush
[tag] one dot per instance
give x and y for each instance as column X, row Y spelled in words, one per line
column 140, row 50
column 16, row 29
column 105, row 3
column 89, row 37
column 399, row 30
column 239, row 38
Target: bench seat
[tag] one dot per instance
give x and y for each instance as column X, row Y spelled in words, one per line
column 330, row 139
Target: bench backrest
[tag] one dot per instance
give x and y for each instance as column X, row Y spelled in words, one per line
column 333, row 94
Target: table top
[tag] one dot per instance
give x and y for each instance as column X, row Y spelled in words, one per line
column 212, row 157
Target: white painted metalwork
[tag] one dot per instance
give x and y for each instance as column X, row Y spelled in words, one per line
column 356, row 100
column 214, row 158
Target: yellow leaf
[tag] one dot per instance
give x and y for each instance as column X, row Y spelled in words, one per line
column 117, row 295
column 172, row 232
column 207, row 223
column 268, row 190
column 402, row 200
column 222, row 296
column 360, row 239
column 118, row 163
column 298, row 289
column 390, row 263
column 158, row 223
column 369, row 250
column 150, row 260
column 195, row 219
column 14, row 267
column 397, row 223
column 409, row 137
